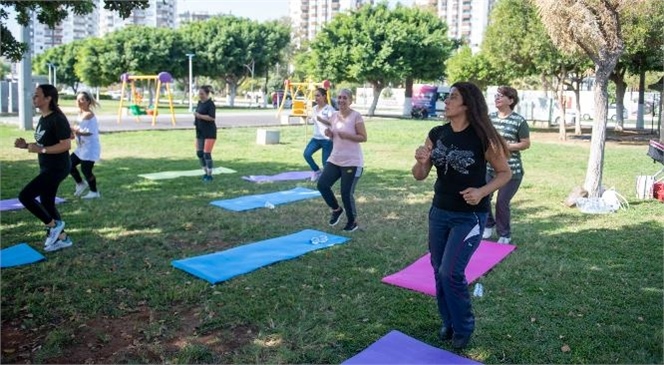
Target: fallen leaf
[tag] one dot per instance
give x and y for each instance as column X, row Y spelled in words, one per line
column 533, row 319
column 565, row 348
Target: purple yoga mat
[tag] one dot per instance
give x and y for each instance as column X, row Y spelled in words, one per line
column 419, row 275
column 397, row 348
column 284, row 176
column 14, row 204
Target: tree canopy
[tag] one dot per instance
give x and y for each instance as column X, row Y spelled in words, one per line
column 52, row 13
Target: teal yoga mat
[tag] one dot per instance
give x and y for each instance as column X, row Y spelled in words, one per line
column 174, row 174
column 271, row 199
column 17, row 255
column 223, row 265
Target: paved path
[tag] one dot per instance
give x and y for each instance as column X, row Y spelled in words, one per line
column 225, row 119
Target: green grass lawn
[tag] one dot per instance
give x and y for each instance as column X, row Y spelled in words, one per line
column 579, row 288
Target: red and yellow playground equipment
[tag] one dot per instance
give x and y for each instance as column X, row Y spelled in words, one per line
column 302, row 96
column 163, row 78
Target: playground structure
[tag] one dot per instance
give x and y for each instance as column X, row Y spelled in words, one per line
column 163, row 78
column 302, row 95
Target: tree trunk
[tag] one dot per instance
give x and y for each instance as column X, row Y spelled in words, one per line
column 377, row 88
column 562, row 127
column 232, row 91
column 593, row 182
column 621, row 88
column 642, row 89
column 408, row 97
column 577, row 120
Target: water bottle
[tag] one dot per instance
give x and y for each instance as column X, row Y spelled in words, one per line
column 269, row 205
column 318, row 239
column 479, row 290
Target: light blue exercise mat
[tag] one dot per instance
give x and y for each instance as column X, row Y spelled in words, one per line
column 21, row 254
column 262, row 200
column 223, row 265
column 174, row 174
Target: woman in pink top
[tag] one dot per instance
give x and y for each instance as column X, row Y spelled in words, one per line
column 346, row 162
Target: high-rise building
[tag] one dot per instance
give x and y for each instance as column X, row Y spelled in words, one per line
column 192, row 16
column 466, row 19
column 160, row 13
column 309, row 16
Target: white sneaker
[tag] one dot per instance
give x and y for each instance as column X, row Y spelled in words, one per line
column 504, row 240
column 80, row 188
column 91, row 195
column 488, row 232
column 315, row 175
column 54, row 233
column 59, row 244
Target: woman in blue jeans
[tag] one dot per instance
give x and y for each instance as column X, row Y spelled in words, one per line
column 460, row 151
column 321, row 120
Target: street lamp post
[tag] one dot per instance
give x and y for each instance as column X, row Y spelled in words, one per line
column 191, row 83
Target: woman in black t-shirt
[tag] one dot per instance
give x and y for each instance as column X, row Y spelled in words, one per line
column 53, row 141
column 206, row 130
column 460, row 151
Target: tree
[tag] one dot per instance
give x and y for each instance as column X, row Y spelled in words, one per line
column 65, row 57
column 52, row 13
column 592, row 27
column 234, row 49
column 376, row 45
column 464, row 66
column 642, row 22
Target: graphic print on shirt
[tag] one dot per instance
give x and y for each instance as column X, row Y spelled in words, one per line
column 39, row 133
column 453, row 157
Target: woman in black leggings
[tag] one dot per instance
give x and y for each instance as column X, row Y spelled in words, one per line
column 52, row 146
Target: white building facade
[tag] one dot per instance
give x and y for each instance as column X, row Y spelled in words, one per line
column 309, row 16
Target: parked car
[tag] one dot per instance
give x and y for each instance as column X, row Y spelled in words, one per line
column 612, row 114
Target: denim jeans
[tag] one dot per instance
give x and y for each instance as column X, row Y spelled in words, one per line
column 453, row 238
column 503, row 210
column 313, row 146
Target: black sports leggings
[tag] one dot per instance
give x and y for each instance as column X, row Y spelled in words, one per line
column 45, row 186
column 86, row 168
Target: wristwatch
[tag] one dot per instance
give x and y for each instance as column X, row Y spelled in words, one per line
column 43, row 150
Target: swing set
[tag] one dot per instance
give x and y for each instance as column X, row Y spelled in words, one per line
column 301, row 94
column 135, row 107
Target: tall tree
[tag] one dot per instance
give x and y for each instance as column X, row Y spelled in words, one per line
column 476, row 68
column 642, row 22
column 376, row 45
column 65, row 58
column 52, row 13
column 593, row 27
column 234, row 49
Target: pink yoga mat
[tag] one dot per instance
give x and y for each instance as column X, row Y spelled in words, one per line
column 419, row 275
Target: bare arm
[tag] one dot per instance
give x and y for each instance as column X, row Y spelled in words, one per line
column 524, row 144
column 498, row 161
column 60, row 147
column 423, row 163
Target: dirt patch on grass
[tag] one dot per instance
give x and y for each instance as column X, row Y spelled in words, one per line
column 144, row 336
column 625, row 137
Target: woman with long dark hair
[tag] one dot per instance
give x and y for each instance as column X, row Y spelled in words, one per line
column 52, row 144
column 459, row 150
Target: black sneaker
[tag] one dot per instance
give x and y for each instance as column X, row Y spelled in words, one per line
column 350, row 227
column 336, row 214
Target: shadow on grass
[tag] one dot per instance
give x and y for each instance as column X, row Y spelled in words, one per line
column 596, row 288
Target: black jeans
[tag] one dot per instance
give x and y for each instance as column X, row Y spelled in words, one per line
column 45, row 186
column 349, row 176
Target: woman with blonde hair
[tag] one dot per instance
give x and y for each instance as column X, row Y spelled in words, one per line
column 88, row 149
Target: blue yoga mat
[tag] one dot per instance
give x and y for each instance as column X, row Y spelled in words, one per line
column 259, row 201
column 223, row 265
column 398, row 348
column 21, row 254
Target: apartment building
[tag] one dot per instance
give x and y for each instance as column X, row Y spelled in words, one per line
column 161, row 13
column 466, row 19
column 309, row 16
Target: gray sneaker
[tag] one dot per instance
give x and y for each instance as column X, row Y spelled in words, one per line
column 59, row 244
